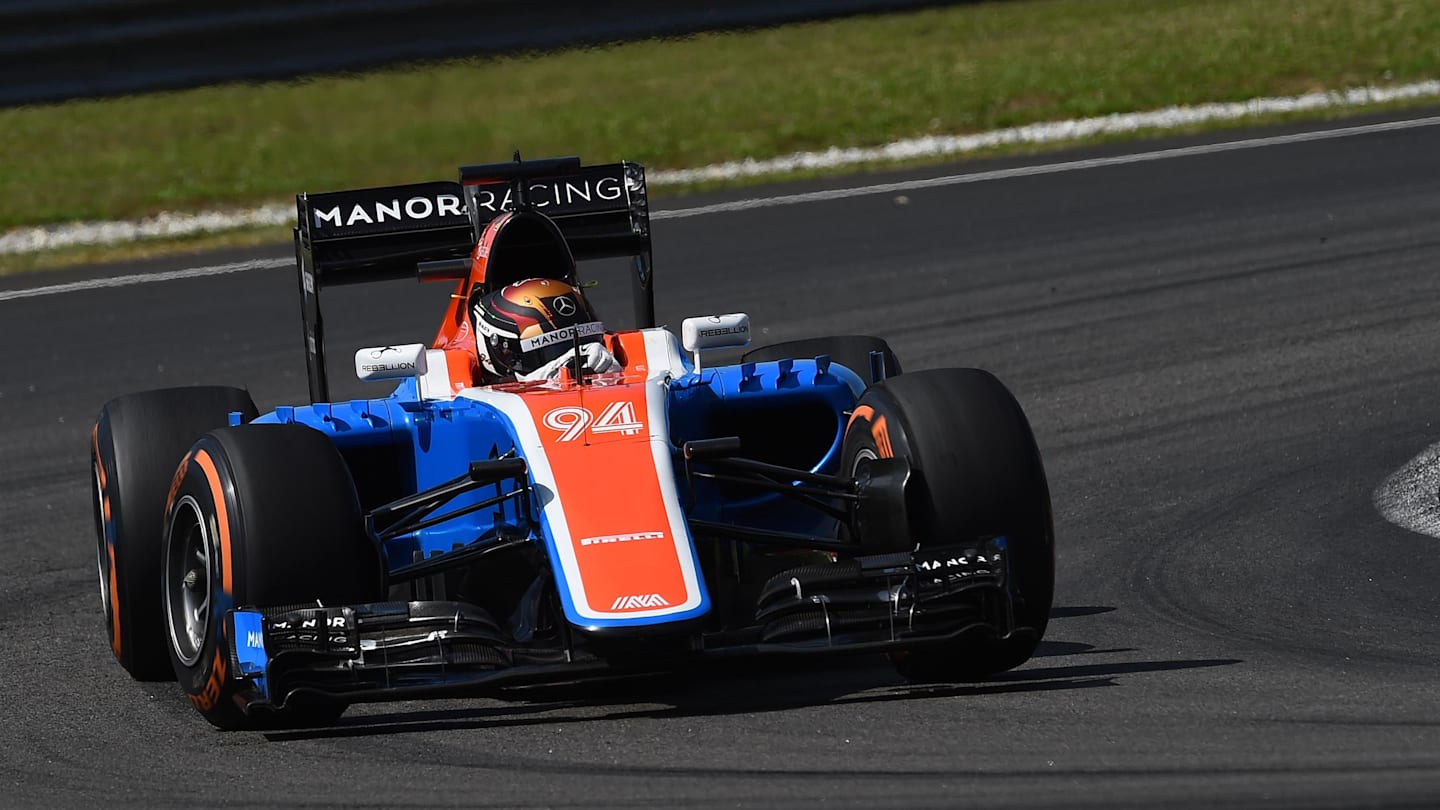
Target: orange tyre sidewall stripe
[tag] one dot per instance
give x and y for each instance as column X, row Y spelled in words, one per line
column 116, row 643
column 217, row 493
column 104, row 477
column 879, row 429
column 862, row 412
column 881, row 433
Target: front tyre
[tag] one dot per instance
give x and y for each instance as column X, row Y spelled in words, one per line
column 263, row 516
column 977, row 473
column 135, row 446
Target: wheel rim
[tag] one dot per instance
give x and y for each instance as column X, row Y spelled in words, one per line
column 102, row 548
column 188, row 580
column 863, row 454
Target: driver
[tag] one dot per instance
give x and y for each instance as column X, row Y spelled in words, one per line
column 529, row 330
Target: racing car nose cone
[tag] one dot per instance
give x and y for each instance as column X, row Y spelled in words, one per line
column 192, row 578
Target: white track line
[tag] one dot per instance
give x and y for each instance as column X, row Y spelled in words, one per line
column 144, row 278
column 813, row 196
column 29, row 240
column 1050, row 168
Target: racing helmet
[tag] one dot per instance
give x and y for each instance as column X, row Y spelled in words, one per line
column 522, row 326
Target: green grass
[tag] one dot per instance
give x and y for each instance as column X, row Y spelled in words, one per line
column 683, row 103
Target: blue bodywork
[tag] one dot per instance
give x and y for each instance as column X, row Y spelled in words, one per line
column 404, row 443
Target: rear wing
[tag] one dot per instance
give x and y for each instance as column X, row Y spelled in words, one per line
column 380, row 234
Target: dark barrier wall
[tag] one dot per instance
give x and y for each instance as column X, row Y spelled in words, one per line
column 58, row 49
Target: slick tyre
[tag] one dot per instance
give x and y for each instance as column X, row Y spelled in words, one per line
column 135, row 446
column 976, row 473
column 850, row 351
column 260, row 516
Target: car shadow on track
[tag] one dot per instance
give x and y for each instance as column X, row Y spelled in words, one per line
column 739, row 688
column 1059, row 648
column 1073, row 611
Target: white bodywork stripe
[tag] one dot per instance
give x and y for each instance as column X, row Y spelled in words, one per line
column 663, row 356
column 435, row 383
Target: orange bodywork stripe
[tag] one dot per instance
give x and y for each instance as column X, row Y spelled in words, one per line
column 460, row 364
column 612, row 488
column 629, row 349
column 218, row 494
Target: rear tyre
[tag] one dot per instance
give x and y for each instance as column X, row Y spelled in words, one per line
column 976, row 473
column 850, row 351
column 262, row 516
column 135, row 446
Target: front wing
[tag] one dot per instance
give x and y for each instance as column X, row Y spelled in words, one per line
column 394, row 650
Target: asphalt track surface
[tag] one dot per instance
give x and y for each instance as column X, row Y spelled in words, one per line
column 1222, row 356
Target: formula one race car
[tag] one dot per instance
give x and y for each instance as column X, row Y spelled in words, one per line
column 540, row 500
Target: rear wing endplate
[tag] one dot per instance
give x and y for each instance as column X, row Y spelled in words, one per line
column 379, row 234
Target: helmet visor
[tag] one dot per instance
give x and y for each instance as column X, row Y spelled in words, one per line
column 543, row 348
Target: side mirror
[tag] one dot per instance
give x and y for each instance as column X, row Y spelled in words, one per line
column 714, row 332
column 390, row 362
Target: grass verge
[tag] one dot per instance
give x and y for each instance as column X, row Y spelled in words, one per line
column 14, row 263
column 703, row 99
